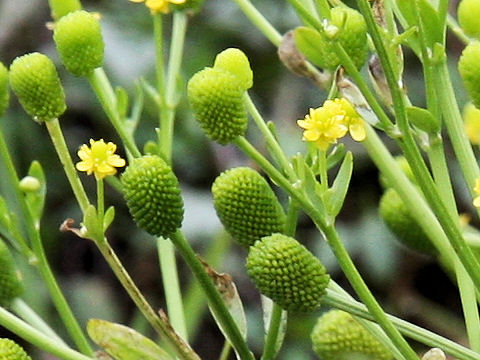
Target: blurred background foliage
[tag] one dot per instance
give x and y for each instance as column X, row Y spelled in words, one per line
column 408, row 284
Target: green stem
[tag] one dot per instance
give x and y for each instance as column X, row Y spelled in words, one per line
column 259, row 21
column 100, row 200
column 214, row 299
column 19, row 307
column 161, row 326
column 334, row 299
column 226, row 350
column 173, row 296
column 337, row 247
column 457, row 30
column 106, row 95
column 269, row 351
column 58, row 141
column 38, row 338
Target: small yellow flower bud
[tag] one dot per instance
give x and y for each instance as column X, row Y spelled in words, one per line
column 79, row 42
column 4, row 94
column 10, row 350
column 29, row 184
column 337, row 335
column 289, row 274
column 10, row 285
column 35, row 81
column 246, row 205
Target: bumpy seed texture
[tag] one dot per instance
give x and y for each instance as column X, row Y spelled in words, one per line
column 35, row 81
column 79, row 42
column 236, row 62
column 216, row 97
column 352, row 36
column 289, row 274
column 4, row 94
column 468, row 15
column 338, row 336
column 10, row 285
column 247, row 206
column 153, row 196
column 10, row 350
column 469, row 68
column 400, row 221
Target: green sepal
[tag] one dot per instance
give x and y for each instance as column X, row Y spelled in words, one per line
column 307, row 41
column 124, row 343
column 423, row 119
column 108, row 217
column 334, row 197
column 336, row 155
column 36, row 200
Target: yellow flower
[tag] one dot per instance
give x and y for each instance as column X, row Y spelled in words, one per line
column 476, row 189
column 99, row 159
column 471, row 118
column 159, row 6
column 326, row 124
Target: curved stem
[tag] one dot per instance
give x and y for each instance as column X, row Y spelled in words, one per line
column 269, row 350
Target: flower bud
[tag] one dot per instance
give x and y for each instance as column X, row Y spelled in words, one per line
column 236, row 62
column 289, row 274
column 469, row 68
column 29, row 184
column 10, row 285
column 337, row 335
column 35, row 81
column 216, row 97
column 468, row 15
column 79, row 42
column 153, row 197
column 246, row 205
column 10, row 350
column 400, row 221
column 4, row 94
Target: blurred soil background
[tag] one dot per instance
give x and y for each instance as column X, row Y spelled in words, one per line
column 408, row 284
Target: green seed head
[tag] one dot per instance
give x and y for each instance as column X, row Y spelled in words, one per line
column 289, row 274
column 10, row 285
column 4, row 94
column 247, row 206
column 400, row 221
column 468, row 15
column 236, row 62
column 153, row 196
column 216, row 97
column 469, row 68
column 35, row 81
column 338, row 336
column 79, row 42
column 10, row 350
column 352, row 35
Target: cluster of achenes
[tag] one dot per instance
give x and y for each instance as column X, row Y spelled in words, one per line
column 10, row 350
column 216, row 95
column 337, row 335
column 34, row 78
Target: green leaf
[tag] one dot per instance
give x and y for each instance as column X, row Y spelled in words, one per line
column 5, row 219
column 124, row 343
column 423, row 119
column 108, row 217
column 36, row 199
column 336, row 155
column 307, row 41
column 91, row 223
column 335, row 196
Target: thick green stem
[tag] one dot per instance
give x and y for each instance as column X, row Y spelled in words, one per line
column 214, row 299
column 161, row 325
column 38, row 338
column 269, row 350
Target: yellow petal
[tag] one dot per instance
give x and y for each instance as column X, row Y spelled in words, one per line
column 357, row 131
column 116, row 161
column 476, row 202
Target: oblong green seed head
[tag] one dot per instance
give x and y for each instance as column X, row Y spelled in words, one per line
column 399, row 220
column 289, row 274
column 247, row 206
column 79, row 42
column 4, row 92
column 337, row 335
column 468, row 14
column 153, row 196
column 10, row 350
column 34, row 80
column 236, row 62
column 216, row 97
column 469, row 68
column 10, row 285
